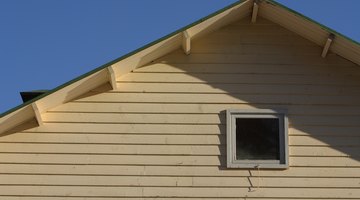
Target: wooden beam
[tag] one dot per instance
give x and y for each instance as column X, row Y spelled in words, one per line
column 112, row 77
column 255, row 11
column 327, row 45
column 38, row 116
column 186, row 43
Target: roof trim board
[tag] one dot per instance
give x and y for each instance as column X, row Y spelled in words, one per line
column 166, row 44
column 313, row 21
column 310, row 29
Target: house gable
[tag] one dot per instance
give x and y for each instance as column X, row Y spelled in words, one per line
column 161, row 133
column 109, row 72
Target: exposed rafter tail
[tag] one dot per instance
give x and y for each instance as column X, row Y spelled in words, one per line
column 255, row 11
column 327, row 45
column 38, row 116
column 112, row 77
column 186, row 43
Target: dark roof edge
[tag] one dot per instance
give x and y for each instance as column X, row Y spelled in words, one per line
column 313, row 21
column 121, row 58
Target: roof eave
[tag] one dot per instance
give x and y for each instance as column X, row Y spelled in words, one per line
column 120, row 66
column 310, row 29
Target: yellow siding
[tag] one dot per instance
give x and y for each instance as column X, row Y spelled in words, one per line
column 161, row 134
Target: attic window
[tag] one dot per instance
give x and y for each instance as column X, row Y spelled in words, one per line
column 256, row 139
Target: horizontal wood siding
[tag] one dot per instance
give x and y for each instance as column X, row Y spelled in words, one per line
column 161, row 134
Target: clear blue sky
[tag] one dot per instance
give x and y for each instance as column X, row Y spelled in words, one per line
column 45, row 43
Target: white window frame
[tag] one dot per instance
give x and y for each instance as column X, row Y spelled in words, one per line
column 232, row 115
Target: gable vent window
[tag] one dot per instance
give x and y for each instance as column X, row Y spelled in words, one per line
column 257, row 139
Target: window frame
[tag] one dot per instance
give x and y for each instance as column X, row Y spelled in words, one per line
column 233, row 114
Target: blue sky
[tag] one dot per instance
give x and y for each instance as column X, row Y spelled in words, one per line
column 45, row 43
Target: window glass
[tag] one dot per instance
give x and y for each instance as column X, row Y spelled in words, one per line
column 257, row 139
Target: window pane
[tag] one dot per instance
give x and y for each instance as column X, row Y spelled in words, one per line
column 257, row 139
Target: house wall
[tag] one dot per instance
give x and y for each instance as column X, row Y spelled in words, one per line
column 161, row 135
